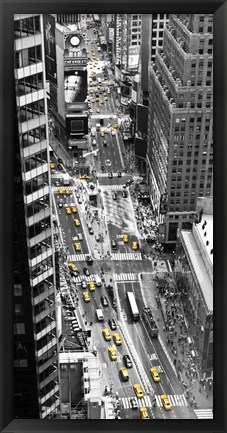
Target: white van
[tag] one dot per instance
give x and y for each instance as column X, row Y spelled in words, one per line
column 98, row 126
column 99, row 314
column 98, row 281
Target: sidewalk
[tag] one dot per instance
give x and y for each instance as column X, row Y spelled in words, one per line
column 175, row 333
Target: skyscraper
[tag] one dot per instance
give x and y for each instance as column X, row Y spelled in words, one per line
column 35, row 336
column 180, row 121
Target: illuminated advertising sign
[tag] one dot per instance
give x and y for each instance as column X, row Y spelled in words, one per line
column 75, row 62
column 133, row 57
column 50, row 48
column 76, row 125
column 161, row 233
column 163, row 203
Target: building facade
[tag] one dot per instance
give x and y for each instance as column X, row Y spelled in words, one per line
column 35, row 335
column 180, row 122
column 194, row 279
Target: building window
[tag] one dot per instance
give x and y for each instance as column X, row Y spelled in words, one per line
column 21, row 363
column 19, row 328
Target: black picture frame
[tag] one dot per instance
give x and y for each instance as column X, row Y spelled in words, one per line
column 8, row 8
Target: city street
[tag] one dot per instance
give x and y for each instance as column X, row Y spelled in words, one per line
column 119, row 265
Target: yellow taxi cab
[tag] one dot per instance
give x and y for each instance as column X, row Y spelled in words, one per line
column 117, row 338
column 91, row 285
column 91, row 91
column 98, row 110
column 105, row 94
column 96, row 99
column 101, row 102
column 73, row 267
column 111, row 116
column 138, row 390
column 144, row 414
column 155, row 374
column 112, row 353
column 103, row 80
column 106, row 334
column 125, row 238
column 67, row 191
column 116, row 126
column 52, row 165
column 77, row 246
column 106, row 99
column 166, row 402
column 86, row 297
column 124, row 374
column 68, row 210
column 99, row 87
column 135, row 245
column 85, row 176
column 74, row 209
column 102, row 134
column 61, row 190
column 93, row 100
column 77, row 222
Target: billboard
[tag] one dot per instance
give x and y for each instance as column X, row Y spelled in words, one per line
column 75, row 84
column 140, row 147
column 163, row 203
column 133, row 57
column 142, row 118
column 161, row 233
column 76, row 125
column 50, row 48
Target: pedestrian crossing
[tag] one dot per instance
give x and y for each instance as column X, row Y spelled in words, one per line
column 106, row 175
column 111, row 187
column 125, row 277
column 204, row 413
column 87, row 278
column 176, row 400
column 76, row 257
column 55, row 188
column 126, row 256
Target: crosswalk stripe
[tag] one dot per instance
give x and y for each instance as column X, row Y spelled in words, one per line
column 76, row 257
column 55, row 188
column 106, row 175
column 127, row 403
column 111, row 187
column 204, row 413
column 126, row 256
column 158, row 400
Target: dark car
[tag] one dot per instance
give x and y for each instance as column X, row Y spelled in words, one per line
column 89, row 259
column 60, row 205
column 110, row 174
column 60, row 167
column 102, row 167
column 127, row 361
column 86, row 271
column 119, row 174
column 60, row 160
column 114, row 195
column 91, row 231
column 114, row 244
column 104, row 301
column 134, row 403
column 124, row 194
column 112, row 324
column 105, row 143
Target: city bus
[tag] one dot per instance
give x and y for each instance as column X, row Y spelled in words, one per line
column 150, row 322
column 133, row 306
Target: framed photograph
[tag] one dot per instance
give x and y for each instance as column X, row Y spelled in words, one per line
column 109, row 187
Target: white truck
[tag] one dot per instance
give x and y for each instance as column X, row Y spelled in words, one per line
column 99, row 314
column 65, row 179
